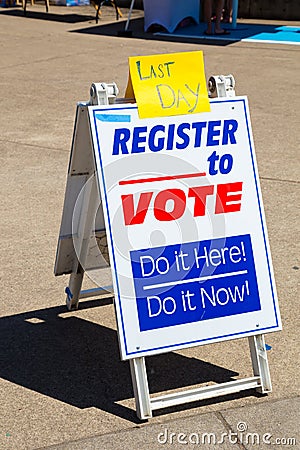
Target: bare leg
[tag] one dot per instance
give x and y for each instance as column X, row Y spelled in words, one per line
column 227, row 18
column 218, row 29
column 207, row 15
column 219, row 9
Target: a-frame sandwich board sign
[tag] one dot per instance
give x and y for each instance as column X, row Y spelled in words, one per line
column 183, row 216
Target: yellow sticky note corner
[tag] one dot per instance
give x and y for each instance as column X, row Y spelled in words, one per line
column 169, row 84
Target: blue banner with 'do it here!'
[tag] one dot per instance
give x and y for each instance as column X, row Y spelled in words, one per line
column 195, row 281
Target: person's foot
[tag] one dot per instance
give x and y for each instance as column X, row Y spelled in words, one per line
column 209, row 29
column 222, row 32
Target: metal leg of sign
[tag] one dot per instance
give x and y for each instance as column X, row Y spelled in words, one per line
column 203, row 393
column 94, row 292
column 261, row 381
column 260, row 363
column 129, row 14
column 73, row 290
column 145, row 404
column 140, row 388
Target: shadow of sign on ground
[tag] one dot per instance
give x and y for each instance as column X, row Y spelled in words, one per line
column 70, row 359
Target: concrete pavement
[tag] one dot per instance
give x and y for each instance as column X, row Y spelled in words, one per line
column 62, row 382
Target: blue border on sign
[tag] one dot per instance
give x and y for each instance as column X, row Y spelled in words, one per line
column 260, row 213
column 256, row 330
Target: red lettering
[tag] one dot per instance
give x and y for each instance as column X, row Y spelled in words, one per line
column 225, row 196
column 200, row 193
column 130, row 217
column 179, row 202
column 170, row 204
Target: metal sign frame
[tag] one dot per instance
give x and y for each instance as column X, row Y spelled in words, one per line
column 74, row 249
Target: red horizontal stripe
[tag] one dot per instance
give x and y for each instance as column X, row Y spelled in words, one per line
column 170, row 177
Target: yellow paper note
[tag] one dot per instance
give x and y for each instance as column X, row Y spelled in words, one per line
column 169, row 84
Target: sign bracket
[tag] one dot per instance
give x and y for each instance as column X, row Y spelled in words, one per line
column 82, row 195
column 145, row 404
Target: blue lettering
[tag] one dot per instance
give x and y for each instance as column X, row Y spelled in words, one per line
column 226, row 163
column 230, row 127
column 212, row 163
column 138, row 139
column 121, row 138
column 198, row 127
column 181, row 134
column 159, row 141
column 170, row 140
column 212, row 132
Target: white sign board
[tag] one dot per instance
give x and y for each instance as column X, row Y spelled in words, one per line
column 185, row 225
